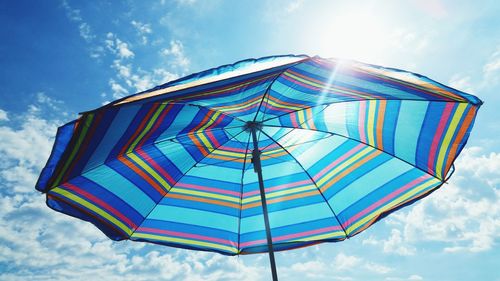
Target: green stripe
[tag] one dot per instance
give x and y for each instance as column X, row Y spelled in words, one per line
column 92, row 207
column 148, row 127
column 88, row 121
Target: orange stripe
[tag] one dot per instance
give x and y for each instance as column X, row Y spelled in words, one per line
column 143, row 175
column 460, row 136
column 380, row 123
column 140, row 128
column 195, row 140
column 204, row 200
column 350, row 169
column 238, row 104
column 281, row 199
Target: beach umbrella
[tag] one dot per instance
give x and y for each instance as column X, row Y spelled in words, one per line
column 259, row 156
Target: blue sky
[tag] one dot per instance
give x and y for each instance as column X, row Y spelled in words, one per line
column 59, row 58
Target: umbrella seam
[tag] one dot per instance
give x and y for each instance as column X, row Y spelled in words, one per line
column 383, row 151
column 313, row 181
column 147, row 145
column 241, row 192
column 184, row 174
column 327, row 104
column 266, row 93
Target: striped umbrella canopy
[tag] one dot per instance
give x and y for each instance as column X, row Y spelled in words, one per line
column 259, row 156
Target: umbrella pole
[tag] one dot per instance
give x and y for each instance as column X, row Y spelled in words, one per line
column 258, row 170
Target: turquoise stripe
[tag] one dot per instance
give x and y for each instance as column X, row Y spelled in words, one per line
column 121, row 187
column 115, row 131
column 215, row 172
column 286, row 217
column 194, row 217
column 368, row 183
column 410, row 120
column 318, row 150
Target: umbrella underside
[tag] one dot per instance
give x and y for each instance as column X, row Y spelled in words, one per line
column 341, row 146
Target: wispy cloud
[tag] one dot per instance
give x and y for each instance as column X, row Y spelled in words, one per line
column 143, row 30
column 175, row 55
column 3, row 115
column 118, row 47
column 75, row 16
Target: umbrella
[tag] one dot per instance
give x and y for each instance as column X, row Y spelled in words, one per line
column 259, row 156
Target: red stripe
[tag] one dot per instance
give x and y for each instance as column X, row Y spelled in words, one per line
column 101, row 203
column 186, row 235
column 385, row 199
column 437, row 137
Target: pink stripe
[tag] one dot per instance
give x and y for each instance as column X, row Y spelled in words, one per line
column 294, row 120
column 241, row 109
column 186, row 235
column 336, row 162
column 437, row 137
column 155, row 165
column 385, row 199
column 291, row 236
column 100, row 203
column 205, row 188
column 278, row 187
column 320, row 89
column 272, row 107
column 233, row 149
column 361, row 121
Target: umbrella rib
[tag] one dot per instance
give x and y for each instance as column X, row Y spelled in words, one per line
column 241, row 191
column 340, row 135
column 345, row 101
column 184, row 174
column 211, row 109
column 313, row 181
column 266, row 93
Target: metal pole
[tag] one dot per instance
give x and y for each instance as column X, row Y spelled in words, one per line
column 258, row 170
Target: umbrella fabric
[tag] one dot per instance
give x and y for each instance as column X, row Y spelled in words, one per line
column 342, row 145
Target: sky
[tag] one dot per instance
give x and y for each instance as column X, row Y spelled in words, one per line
column 59, row 58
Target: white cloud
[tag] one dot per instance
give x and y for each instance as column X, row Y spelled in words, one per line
column 3, row 115
column 484, row 167
column 118, row 90
column 75, row 16
column 294, row 6
column 378, row 268
column 345, row 262
column 491, row 70
column 118, row 47
column 176, row 55
column 462, row 83
column 395, row 244
column 143, row 30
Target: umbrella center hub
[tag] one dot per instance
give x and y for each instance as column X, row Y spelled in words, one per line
column 252, row 126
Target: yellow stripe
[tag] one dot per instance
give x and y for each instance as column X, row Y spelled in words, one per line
column 322, row 236
column 206, row 194
column 148, row 127
column 302, row 118
column 344, row 165
column 185, row 241
column 232, row 107
column 285, row 106
column 330, row 89
column 389, row 206
column 279, row 193
column 93, row 207
column 150, row 171
column 371, row 120
column 228, row 153
column 448, row 137
column 201, row 136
